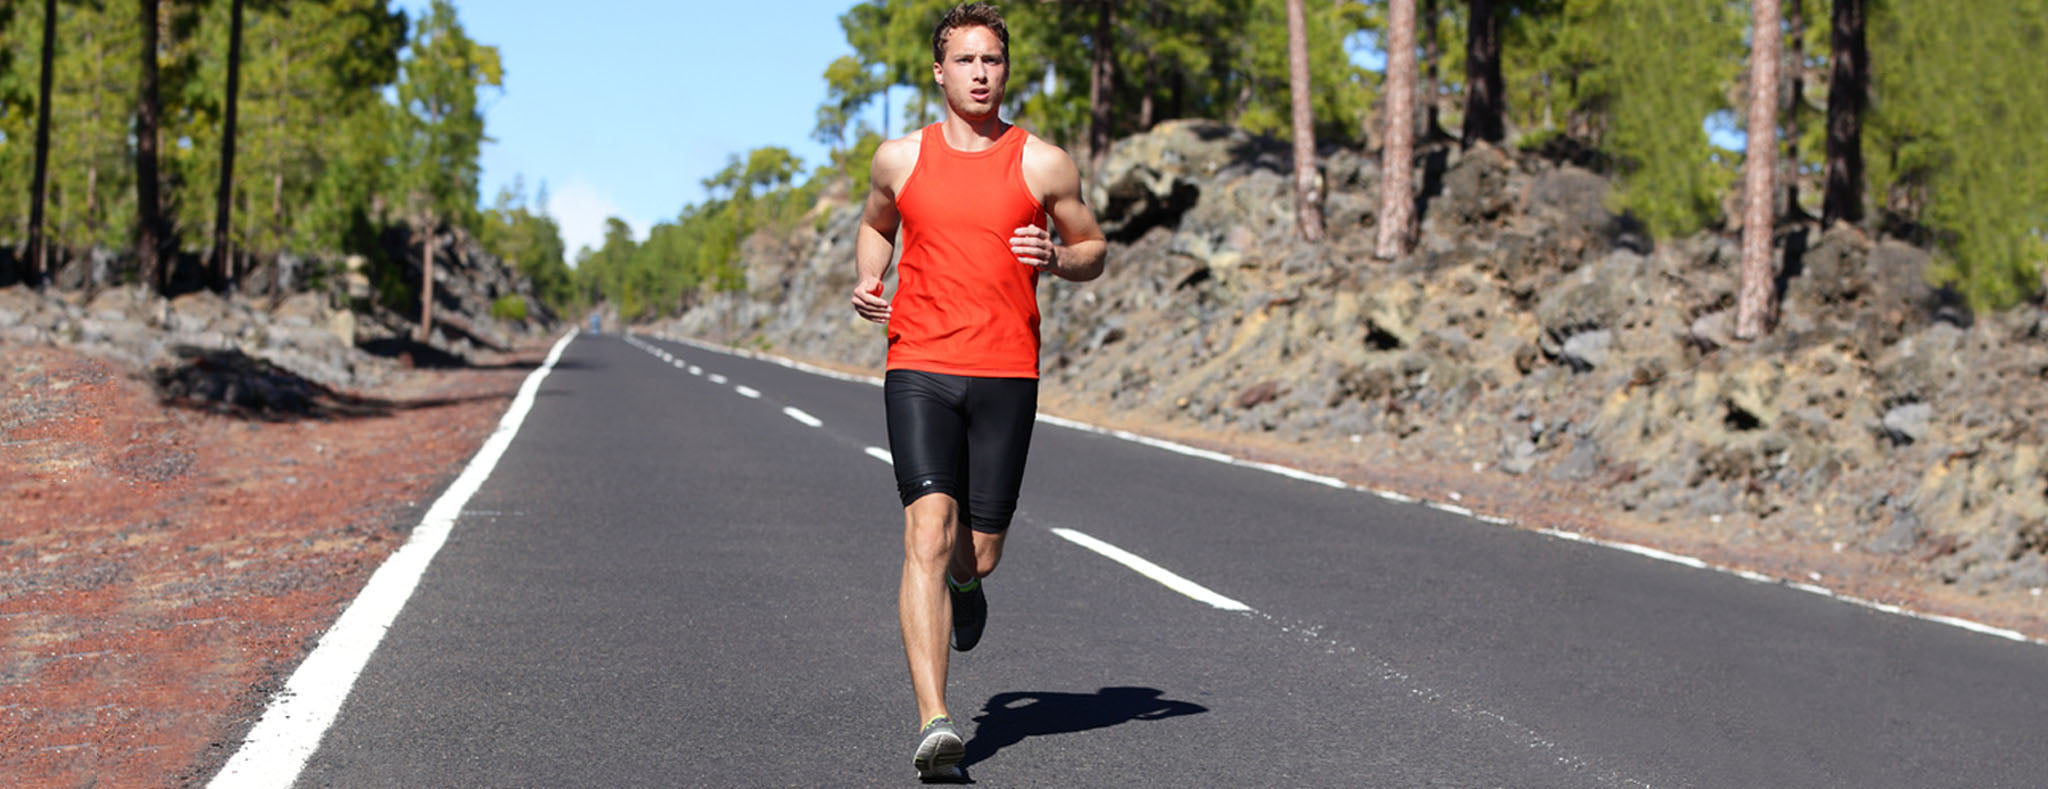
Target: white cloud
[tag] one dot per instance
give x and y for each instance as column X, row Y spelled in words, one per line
column 580, row 209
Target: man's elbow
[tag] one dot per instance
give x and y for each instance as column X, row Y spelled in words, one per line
column 1094, row 265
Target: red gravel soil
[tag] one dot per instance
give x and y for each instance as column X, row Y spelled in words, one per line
column 164, row 565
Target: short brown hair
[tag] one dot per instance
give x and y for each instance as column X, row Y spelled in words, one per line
column 970, row 15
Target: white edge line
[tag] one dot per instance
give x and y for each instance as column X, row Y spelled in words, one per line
column 881, row 454
column 748, row 392
column 1640, row 550
column 1155, row 572
column 1451, row 508
column 797, row 414
column 298, row 716
column 1750, row 575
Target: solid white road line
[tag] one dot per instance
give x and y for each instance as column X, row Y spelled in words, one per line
column 1688, row 561
column 1152, row 571
column 800, row 416
column 298, row 716
column 881, row 454
column 748, row 392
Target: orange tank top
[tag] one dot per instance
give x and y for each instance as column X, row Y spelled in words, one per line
column 964, row 305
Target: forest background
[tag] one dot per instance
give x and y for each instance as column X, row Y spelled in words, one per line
column 355, row 125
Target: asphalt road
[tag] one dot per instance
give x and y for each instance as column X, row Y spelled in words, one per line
column 669, row 582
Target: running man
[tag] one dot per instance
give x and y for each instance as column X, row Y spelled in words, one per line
column 971, row 195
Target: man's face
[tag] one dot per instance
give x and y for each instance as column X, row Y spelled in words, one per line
column 973, row 72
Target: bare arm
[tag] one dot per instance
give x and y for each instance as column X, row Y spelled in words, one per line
column 1052, row 174
column 875, row 243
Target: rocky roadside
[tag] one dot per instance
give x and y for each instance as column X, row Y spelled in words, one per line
column 195, row 488
column 1536, row 357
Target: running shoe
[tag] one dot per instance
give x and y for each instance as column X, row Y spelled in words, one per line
column 970, row 613
column 939, row 750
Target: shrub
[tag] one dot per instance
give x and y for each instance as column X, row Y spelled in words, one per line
column 509, row 308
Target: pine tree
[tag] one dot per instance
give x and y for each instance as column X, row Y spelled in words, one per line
column 1954, row 140
column 1647, row 75
column 223, row 212
column 1848, row 87
column 441, row 132
column 151, row 236
column 1485, row 104
column 1760, row 162
column 1308, row 195
column 38, row 239
column 1101, row 87
column 1397, row 202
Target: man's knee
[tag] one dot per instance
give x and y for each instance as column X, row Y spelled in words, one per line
column 929, row 525
column 988, row 552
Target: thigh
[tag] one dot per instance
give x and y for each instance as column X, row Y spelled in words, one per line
column 1000, row 415
column 927, row 432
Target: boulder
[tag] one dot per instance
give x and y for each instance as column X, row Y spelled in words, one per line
column 1152, row 178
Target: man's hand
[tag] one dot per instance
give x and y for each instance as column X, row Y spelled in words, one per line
column 1033, row 247
column 868, row 301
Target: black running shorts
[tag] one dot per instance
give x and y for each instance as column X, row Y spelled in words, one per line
column 958, row 435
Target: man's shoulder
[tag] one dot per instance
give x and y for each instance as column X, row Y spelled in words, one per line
column 899, row 147
column 1048, row 168
column 894, row 158
column 1038, row 151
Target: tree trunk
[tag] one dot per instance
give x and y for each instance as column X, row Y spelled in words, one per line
column 1485, row 107
column 426, row 328
column 223, row 203
column 1795, row 105
column 1101, row 90
column 149, row 212
column 1397, row 157
column 1308, row 198
column 1432, row 83
column 1759, row 164
column 277, row 218
column 1146, row 103
column 38, row 241
column 1847, row 95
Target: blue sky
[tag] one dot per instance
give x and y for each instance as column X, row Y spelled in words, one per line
column 623, row 106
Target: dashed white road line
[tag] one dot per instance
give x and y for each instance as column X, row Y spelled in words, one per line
column 1403, row 498
column 1165, row 577
column 797, row 414
column 881, row 454
column 695, row 370
column 748, row 392
column 299, row 715
column 716, row 379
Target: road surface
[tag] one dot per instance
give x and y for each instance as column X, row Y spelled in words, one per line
column 683, row 572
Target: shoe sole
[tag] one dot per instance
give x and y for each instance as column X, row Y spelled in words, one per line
column 938, row 754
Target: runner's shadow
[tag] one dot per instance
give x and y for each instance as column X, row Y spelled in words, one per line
column 1008, row 718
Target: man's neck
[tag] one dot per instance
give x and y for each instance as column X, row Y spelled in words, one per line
column 970, row 135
